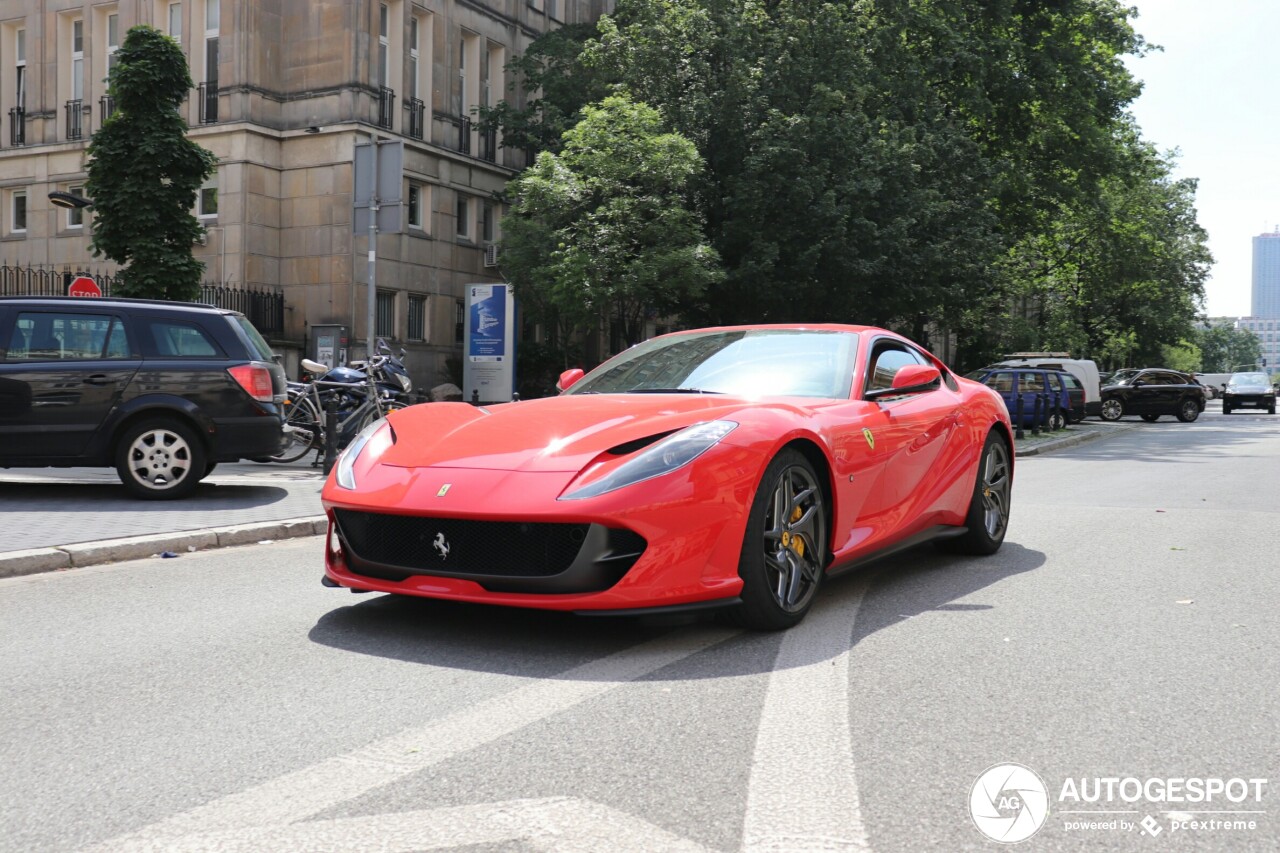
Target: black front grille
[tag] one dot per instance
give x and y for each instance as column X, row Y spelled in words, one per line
column 507, row 548
column 501, row 556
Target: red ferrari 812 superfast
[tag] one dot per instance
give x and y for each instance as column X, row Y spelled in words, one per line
column 730, row 467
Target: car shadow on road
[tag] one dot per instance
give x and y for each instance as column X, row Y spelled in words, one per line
column 534, row 643
column 107, row 496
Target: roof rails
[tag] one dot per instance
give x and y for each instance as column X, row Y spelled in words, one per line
column 1038, row 355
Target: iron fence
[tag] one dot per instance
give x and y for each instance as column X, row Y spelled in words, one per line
column 264, row 306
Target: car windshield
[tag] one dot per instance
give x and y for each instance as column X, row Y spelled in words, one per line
column 1123, row 377
column 748, row 363
column 1250, row 379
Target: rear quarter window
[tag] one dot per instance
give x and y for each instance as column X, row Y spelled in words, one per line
column 179, row 339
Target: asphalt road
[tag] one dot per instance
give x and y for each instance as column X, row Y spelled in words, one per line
column 226, row 701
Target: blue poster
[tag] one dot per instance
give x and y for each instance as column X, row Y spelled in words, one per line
column 488, row 322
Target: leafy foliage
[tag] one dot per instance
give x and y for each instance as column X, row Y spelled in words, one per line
column 144, row 173
column 911, row 163
column 1223, row 348
column 600, row 231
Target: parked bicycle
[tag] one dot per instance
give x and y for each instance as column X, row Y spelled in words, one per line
column 359, row 404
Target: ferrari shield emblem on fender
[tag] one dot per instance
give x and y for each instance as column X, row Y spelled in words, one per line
column 444, row 490
column 871, row 439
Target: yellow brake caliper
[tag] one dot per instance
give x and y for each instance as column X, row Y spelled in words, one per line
column 794, row 542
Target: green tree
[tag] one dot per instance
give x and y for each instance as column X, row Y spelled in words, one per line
column 1184, row 356
column 1223, row 347
column 144, row 173
column 600, row 231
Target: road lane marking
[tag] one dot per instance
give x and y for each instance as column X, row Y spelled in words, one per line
column 298, row 795
column 803, row 791
column 554, row 825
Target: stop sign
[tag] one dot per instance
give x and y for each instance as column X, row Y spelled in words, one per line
column 82, row 285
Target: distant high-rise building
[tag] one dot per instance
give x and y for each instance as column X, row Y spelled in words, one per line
column 1266, row 275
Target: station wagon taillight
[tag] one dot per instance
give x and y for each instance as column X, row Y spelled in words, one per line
column 255, row 380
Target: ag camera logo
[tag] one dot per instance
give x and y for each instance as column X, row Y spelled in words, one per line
column 1009, row 803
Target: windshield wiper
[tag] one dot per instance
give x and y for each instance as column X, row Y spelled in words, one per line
column 670, row 391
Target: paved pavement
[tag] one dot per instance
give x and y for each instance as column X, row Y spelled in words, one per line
column 63, row 510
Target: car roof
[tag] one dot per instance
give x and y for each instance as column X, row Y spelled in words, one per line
column 160, row 304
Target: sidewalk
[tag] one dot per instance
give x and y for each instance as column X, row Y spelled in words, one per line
column 71, row 517
column 61, row 518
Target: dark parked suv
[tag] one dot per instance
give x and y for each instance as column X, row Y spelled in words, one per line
column 1152, row 392
column 162, row 391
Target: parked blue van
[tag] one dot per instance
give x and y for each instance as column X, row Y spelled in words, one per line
column 1060, row 393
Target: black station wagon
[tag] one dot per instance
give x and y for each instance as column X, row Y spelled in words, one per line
column 161, row 391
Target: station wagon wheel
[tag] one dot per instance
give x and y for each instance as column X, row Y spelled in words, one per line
column 1112, row 410
column 988, row 516
column 784, row 550
column 1188, row 410
column 160, row 459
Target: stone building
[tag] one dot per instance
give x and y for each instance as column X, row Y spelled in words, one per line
column 285, row 90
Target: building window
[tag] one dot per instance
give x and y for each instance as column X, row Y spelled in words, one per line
column 18, row 212
column 487, row 222
column 20, row 64
column 207, row 200
column 386, row 317
column 413, row 57
column 212, row 24
column 417, row 317
column 464, row 217
column 77, row 60
column 75, row 215
column 415, row 206
column 553, row 9
column 113, row 42
column 459, row 320
column 175, row 20
column 383, row 70
column 462, row 76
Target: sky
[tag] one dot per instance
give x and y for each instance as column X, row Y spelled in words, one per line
column 1214, row 94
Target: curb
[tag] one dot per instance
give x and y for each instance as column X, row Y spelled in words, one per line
column 36, row 560
column 1070, row 440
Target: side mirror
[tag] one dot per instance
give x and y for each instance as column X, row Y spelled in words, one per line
column 912, row 379
column 568, row 378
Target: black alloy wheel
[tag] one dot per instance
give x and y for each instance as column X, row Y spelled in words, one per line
column 988, row 517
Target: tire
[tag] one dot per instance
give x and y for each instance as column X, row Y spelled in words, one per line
column 208, row 469
column 160, row 459
column 1188, row 410
column 1112, row 410
column 1226, row 410
column 988, row 518
column 1151, row 418
column 306, row 432
column 1271, row 410
column 784, row 549
column 1057, row 420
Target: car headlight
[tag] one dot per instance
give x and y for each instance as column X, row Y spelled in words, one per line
column 377, row 437
column 674, row 451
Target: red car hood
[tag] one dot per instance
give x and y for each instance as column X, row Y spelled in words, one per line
column 551, row 434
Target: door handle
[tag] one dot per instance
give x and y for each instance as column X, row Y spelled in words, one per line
column 99, row 379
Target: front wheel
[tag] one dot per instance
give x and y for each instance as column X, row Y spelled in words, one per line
column 1188, row 411
column 988, row 516
column 1112, row 410
column 784, row 550
column 1226, row 410
column 160, row 459
column 1151, row 418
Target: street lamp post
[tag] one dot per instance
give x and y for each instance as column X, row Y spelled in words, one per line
column 69, row 201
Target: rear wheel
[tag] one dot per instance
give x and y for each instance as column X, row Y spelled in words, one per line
column 302, row 432
column 1188, row 411
column 988, row 516
column 1151, row 418
column 1057, row 420
column 784, row 550
column 1112, row 410
column 160, row 459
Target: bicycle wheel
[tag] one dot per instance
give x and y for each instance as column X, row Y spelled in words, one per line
column 303, row 431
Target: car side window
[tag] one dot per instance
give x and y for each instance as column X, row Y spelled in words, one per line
column 1031, row 382
column 887, row 361
column 54, row 336
column 999, row 382
column 1070, row 381
column 175, row 339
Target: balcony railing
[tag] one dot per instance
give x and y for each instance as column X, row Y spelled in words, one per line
column 386, row 103
column 208, row 102
column 17, row 126
column 106, row 108
column 464, row 134
column 75, row 119
column 489, row 145
column 417, row 112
